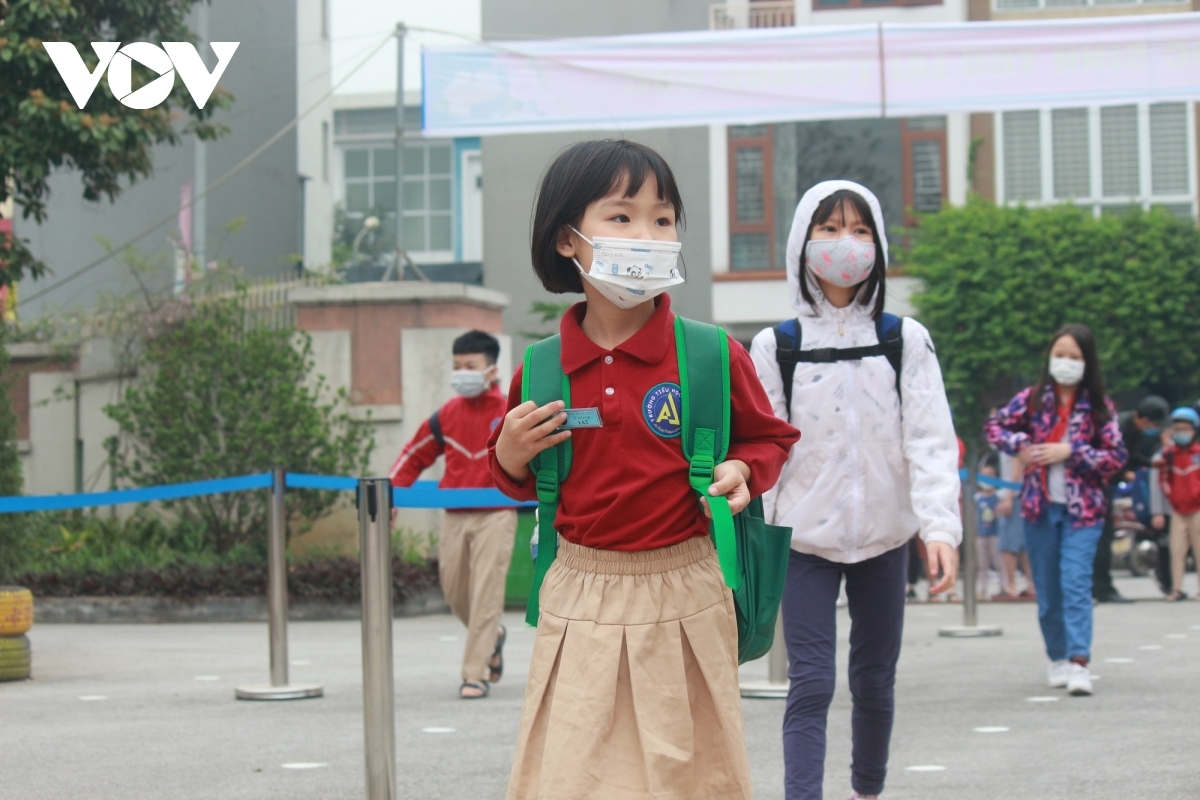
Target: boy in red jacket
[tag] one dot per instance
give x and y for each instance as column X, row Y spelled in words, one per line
column 476, row 544
column 1179, row 475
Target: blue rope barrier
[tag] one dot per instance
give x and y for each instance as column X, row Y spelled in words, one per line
column 299, row 480
column 426, row 494
column 988, row 480
column 149, row 494
column 423, row 494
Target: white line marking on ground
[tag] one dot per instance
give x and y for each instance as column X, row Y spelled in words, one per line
column 447, row 638
column 1151, row 647
column 437, row 730
column 305, row 765
column 1175, row 636
column 1196, row 627
column 1118, row 661
column 992, row 729
column 93, row 697
column 926, row 768
column 206, row 678
column 301, row 663
column 1041, row 699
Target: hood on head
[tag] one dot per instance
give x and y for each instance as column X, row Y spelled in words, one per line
column 805, row 210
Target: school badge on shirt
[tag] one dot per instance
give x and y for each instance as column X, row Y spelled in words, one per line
column 661, row 409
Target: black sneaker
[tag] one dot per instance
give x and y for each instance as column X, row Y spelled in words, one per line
column 1113, row 597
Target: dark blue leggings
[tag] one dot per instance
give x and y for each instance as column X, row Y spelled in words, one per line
column 875, row 588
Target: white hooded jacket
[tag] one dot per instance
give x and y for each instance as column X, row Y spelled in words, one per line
column 871, row 469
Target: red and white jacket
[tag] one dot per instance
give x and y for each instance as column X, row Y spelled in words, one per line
column 460, row 431
column 1179, row 476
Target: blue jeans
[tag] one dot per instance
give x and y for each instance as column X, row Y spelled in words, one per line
column 875, row 589
column 1061, row 557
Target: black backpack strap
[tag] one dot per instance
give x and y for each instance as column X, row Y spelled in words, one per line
column 889, row 329
column 435, row 427
column 787, row 354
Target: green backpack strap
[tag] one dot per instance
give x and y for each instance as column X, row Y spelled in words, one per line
column 543, row 381
column 703, row 352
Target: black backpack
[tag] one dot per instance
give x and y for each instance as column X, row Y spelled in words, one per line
column 888, row 328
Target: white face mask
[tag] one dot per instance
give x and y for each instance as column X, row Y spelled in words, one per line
column 631, row 271
column 1066, row 371
column 468, row 382
column 843, row 262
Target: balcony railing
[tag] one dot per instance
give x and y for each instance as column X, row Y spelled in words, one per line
column 752, row 14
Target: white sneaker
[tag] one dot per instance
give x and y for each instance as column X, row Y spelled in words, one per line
column 1058, row 674
column 1080, row 681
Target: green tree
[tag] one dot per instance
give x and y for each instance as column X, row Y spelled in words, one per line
column 215, row 399
column 41, row 128
column 10, row 459
column 12, row 531
column 998, row 281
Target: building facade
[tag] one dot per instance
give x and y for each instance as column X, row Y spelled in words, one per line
column 741, row 184
column 281, row 203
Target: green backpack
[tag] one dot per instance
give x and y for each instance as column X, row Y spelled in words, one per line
column 753, row 555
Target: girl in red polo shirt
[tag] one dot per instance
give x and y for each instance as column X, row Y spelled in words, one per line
column 633, row 688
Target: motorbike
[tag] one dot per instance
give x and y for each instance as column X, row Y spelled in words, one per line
column 1135, row 544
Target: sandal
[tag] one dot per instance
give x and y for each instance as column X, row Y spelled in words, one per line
column 497, row 670
column 1176, row 596
column 481, row 687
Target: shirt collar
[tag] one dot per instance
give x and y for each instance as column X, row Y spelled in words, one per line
column 648, row 345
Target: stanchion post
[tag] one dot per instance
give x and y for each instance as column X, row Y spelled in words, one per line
column 970, row 627
column 277, row 597
column 379, row 721
column 277, row 607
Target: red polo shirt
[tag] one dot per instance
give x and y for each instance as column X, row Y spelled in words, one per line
column 466, row 423
column 628, row 488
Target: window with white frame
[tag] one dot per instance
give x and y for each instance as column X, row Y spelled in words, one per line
column 1111, row 158
column 369, row 175
column 429, row 199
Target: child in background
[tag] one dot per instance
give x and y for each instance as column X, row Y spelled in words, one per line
column 633, row 688
column 1012, row 535
column 1179, row 477
column 987, row 532
column 476, row 545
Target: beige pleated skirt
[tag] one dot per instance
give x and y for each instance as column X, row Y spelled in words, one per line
column 633, row 689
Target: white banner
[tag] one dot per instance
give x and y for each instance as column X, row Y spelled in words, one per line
column 819, row 72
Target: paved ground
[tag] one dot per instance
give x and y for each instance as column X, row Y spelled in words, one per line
column 126, row 712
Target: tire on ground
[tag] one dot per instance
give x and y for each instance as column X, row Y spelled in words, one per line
column 15, row 658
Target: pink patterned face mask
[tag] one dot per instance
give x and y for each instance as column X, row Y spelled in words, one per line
column 843, row 262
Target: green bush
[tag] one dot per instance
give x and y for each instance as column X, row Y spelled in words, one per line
column 216, row 398
column 998, row 281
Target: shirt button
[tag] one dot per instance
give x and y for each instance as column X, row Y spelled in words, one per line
column 608, row 359
column 610, row 391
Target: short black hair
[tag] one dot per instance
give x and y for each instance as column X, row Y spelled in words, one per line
column 876, row 281
column 579, row 176
column 1153, row 408
column 473, row 342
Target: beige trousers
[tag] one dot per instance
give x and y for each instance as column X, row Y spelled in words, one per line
column 473, row 557
column 1185, row 531
column 633, row 688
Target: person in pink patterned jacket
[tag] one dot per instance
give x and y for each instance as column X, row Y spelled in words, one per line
column 1065, row 433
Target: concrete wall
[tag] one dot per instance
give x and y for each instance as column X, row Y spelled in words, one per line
column 263, row 79
column 514, row 164
column 314, row 133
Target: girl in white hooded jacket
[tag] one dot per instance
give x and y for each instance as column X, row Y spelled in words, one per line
column 877, row 463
